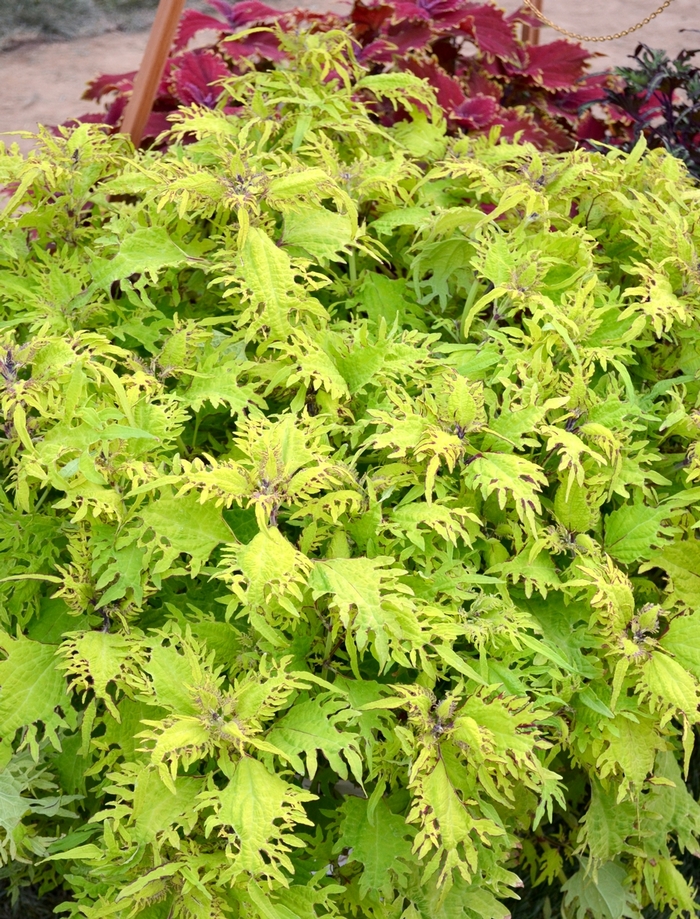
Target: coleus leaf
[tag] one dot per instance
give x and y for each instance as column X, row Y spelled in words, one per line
column 556, row 65
column 633, row 532
column 449, row 93
column 191, row 23
column 315, row 726
column 379, row 840
column 262, row 810
column 245, row 12
column 32, row 688
column 195, row 74
column 491, row 30
column 681, row 562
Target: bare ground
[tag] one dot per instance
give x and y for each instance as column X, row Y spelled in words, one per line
column 43, row 82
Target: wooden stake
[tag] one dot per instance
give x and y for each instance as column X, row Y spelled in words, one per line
column 531, row 34
column 150, row 73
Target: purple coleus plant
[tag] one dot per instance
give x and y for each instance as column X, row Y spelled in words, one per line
column 483, row 73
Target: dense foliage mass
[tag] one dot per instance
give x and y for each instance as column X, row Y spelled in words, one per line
column 472, row 54
column 348, row 553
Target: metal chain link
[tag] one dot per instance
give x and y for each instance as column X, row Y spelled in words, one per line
column 579, row 37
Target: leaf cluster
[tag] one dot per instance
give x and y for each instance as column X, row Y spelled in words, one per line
column 348, row 556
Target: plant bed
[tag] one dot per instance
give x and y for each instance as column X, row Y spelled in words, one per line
column 348, row 558
column 483, row 74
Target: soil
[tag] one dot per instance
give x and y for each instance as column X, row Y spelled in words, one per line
column 42, row 82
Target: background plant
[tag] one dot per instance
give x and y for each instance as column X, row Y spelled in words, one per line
column 483, row 74
column 348, row 560
column 661, row 98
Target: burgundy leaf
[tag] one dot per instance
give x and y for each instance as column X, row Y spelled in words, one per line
column 556, row 65
column 191, row 23
column 590, row 89
column 523, row 16
column 450, row 94
column 447, row 15
column 298, row 18
column 109, row 83
column 519, row 121
column 493, row 34
column 194, row 76
column 368, row 20
column 477, row 83
column 263, row 45
column 245, row 12
column 378, row 52
column 439, row 8
column 446, row 52
column 112, row 116
column 404, row 10
column 591, row 128
column 409, row 35
column 477, row 112
column 157, row 123
column 553, row 136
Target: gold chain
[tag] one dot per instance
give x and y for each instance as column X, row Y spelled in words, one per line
column 576, row 35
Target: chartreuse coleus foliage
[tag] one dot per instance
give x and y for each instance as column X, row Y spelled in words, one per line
column 349, row 561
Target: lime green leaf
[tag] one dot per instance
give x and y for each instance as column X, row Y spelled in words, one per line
column 382, row 845
column 183, row 525
column 31, row 687
column 602, row 893
column 681, row 562
column 317, row 232
column 682, row 640
column 144, row 250
column 262, row 810
column 156, row 808
column 312, row 726
column 633, row 531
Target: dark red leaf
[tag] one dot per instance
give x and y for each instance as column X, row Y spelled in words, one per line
column 556, row 65
column 193, row 22
column 591, row 128
column 246, row 12
column 437, row 9
column 112, row 116
column 368, row 20
column 491, row 31
column 477, row 112
column 477, row 83
column 195, row 74
column 263, row 45
column 554, row 136
column 298, row 18
column 378, row 52
column 405, row 10
column 156, row 124
column 447, row 15
column 449, row 92
column 109, row 83
column 409, row 35
column 446, row 52
column 522, row 16
column 590, row 89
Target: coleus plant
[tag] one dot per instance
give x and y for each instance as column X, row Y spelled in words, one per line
column 348, row 556
column 482, row 72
